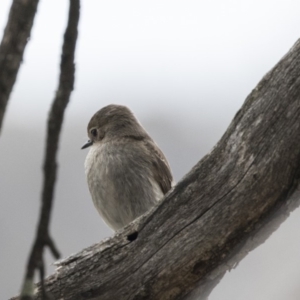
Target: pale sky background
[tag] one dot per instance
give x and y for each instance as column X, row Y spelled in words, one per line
column 184, row 68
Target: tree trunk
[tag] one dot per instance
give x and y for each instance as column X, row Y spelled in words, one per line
column 186, row 242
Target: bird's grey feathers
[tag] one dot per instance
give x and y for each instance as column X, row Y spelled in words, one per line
column 126, row 171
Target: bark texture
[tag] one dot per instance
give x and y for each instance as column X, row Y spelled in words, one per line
column 15, row 38
column 183, row 243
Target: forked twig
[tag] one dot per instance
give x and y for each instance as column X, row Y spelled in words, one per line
column 55, row 119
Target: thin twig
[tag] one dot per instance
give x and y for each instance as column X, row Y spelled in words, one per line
column 15, row 38
column 55, row 119
column 42, row 277
column 51, row 245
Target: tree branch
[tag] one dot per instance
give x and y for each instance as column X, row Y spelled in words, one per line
column 14, row 41
column 55, row 120
column 246, row 183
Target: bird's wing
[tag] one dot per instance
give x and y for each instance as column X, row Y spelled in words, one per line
column 161, row 169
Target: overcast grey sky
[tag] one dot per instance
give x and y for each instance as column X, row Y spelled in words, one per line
column 184, row 68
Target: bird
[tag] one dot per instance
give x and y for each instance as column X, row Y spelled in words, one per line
column 127, row 173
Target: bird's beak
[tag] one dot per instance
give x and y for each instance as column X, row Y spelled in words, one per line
column 87, row 144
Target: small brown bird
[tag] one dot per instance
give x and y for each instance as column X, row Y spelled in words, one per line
column 126, row 171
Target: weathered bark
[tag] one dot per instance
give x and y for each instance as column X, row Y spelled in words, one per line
column 14, row 41
column 186, row 241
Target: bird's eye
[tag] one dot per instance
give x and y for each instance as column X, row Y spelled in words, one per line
column 94, row 132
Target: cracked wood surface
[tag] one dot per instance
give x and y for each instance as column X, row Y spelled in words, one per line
column 249, row 176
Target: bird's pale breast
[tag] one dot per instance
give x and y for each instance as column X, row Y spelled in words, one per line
column 120, row 181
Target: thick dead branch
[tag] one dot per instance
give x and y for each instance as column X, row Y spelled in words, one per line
column 187, row 240
column 15, row 38
column 55, row 120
